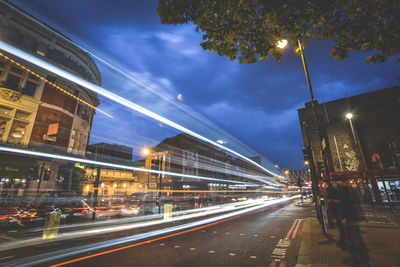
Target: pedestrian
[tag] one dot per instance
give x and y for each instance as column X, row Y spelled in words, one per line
column 328, row 190
column 338, row 203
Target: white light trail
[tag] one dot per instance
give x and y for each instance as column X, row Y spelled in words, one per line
column 111, row 165
column 59, row 254
column 127, row 103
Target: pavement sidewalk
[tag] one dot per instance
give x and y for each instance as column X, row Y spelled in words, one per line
column 376, row 242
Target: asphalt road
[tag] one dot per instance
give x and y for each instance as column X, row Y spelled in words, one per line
column 268, row 237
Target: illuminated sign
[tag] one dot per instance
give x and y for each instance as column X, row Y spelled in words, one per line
column 53, row 128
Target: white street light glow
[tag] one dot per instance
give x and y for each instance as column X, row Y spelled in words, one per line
column 282, row 43
column 349, row 115
column 127, row 103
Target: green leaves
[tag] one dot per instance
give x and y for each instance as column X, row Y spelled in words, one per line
column 247, row 30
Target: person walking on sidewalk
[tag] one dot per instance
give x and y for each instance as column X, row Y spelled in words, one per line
column 339, row 205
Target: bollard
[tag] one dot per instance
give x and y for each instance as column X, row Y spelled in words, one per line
column 167, row 211
column 51, row 224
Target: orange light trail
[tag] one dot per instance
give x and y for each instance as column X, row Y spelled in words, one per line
column 149, row 241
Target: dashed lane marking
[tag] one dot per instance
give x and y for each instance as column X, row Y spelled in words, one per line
column 253, row 257
column 177, row 246
column 162, row 244
column 211, row 251
column 227, row 233
column 232, row 254
column 192, row 249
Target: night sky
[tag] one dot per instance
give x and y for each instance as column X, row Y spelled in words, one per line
column 257, row 103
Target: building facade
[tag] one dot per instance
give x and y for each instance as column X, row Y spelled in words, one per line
column 361, row 141
column 39, row 110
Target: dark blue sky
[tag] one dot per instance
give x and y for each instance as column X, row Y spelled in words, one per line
column 257, row 103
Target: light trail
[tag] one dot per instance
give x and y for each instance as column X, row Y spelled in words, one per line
column 55, row 255
column 110, row 165
column 127, row 103
column 178, row 105
column 54, row 85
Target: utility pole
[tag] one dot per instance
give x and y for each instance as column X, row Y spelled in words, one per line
column 96, row 192
column 160, row 187
column 307, row 151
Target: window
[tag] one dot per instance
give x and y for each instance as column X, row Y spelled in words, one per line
column 17, row 132
column 3, row 124
column 5, row 111
column 12, row 82
column 22, row 115
column 17, row 78
column 17, row 70
column 30, row 88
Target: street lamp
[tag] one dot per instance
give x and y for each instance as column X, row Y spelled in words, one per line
column 349, row 116
column 282, row 44
column 146, row 151
column 359, row 150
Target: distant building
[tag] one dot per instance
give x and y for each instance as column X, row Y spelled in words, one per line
column 187, row 155
column 297, row 175
column 376, row 124
column 111, row 151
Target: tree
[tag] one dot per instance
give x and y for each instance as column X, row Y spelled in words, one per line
column 248, row 30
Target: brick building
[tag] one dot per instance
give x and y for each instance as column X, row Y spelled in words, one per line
column 367, row 141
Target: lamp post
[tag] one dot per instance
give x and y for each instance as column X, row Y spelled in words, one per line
column 360, row 154
column 146, row 152
column 282, row 44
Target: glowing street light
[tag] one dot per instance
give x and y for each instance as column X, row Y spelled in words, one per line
column 282, row 43
column 146, row 151
column 349, row 115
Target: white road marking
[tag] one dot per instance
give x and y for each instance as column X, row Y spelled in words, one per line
column 255, row 235
column 232, row 254
column 162, row 244
column 253, row 257
column 211, row 251
column 192, row 249
column 227, row 233
column 177, row 246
